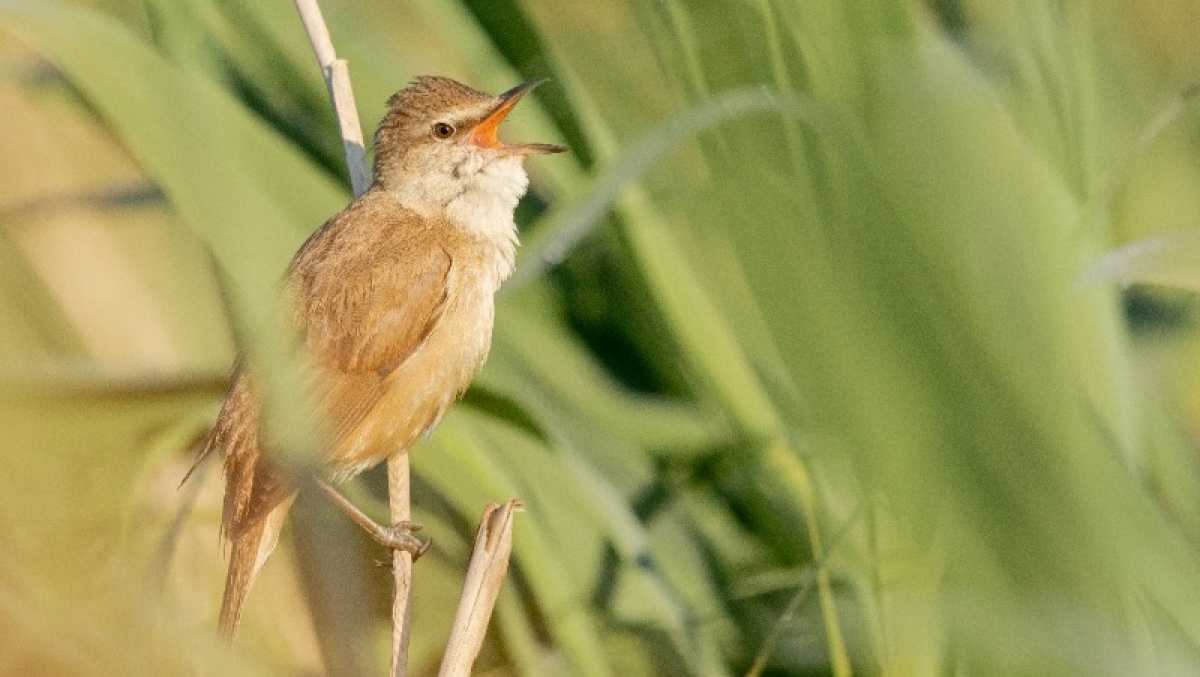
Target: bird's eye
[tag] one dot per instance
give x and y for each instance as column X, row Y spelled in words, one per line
column 443, row 130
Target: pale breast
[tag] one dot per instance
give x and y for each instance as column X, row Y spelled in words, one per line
column 418, row 393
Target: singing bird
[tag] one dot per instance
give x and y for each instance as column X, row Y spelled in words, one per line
column 394, row 299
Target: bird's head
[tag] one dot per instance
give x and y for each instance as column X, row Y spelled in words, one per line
column 439, row 140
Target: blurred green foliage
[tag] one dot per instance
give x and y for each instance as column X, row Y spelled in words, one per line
column 817, row 360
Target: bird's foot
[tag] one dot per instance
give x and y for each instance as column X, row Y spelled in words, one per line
column 396, row 537
column 400, row 537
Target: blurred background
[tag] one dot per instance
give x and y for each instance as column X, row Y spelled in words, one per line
column 851, row 338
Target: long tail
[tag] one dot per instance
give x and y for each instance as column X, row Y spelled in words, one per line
column 252, row 545
column 243, row 557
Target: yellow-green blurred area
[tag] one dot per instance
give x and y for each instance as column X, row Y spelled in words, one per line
column 853, row 336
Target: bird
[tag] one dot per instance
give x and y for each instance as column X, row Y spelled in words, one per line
column 394, row 302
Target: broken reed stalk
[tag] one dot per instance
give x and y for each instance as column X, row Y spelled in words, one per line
column 337, row 80
column 493, row 541
column 485, row 579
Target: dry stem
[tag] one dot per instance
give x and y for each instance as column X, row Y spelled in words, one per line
column 485, row 578
column 400, row 503
column 337, row 79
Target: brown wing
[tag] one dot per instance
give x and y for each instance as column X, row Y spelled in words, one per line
column 366, row 301
column 371, row 320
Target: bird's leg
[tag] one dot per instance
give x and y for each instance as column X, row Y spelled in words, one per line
column 397, row 537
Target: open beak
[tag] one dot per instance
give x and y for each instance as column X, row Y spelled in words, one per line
column 485, row 134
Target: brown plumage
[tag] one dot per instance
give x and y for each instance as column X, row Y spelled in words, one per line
column 394, row 299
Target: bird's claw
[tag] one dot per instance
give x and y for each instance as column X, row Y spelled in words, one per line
column 400, row 537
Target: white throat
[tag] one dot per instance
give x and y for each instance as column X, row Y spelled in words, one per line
column 488, row 196
column 480, row 199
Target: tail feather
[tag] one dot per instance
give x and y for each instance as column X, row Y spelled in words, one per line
column 257, row 497
column 252, row 545
column 242, row 558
